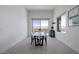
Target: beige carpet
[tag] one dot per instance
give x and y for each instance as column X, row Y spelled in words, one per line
column 53, row 46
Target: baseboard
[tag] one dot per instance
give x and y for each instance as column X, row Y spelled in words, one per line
column 12, row 45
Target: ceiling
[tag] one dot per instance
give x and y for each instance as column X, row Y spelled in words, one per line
column 40, row 7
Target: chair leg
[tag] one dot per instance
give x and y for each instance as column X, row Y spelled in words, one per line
column 31, row 40
column 46, row 40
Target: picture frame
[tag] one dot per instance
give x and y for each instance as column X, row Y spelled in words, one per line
column 73, row 16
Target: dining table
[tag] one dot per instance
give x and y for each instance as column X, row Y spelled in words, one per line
column 39, row 38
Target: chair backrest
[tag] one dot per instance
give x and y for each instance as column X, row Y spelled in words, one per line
column 35, row 37
column 42, row 37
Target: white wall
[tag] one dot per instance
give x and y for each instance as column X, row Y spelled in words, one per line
column 71, row 37
column 13, row 26
column 39, row 14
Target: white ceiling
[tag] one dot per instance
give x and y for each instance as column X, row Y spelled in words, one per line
column 40, row 7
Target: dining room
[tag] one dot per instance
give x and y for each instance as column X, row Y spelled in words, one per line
column 28, row 30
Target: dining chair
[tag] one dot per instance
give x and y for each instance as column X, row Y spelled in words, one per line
column 32, row 39
column 41, row 40
column 45, row 39
column 36, row 40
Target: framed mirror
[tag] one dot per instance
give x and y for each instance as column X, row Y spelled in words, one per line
column 62, row 22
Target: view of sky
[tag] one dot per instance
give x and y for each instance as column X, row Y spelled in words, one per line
column 40, row 23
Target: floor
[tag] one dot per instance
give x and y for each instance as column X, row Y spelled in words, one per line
column 53, row 46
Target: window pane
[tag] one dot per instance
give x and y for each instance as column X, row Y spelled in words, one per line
column 44, row 25
column 44, row 22
column 36, row 22
column 36, row 25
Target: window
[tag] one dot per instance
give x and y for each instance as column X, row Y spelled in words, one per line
column 40, row 23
